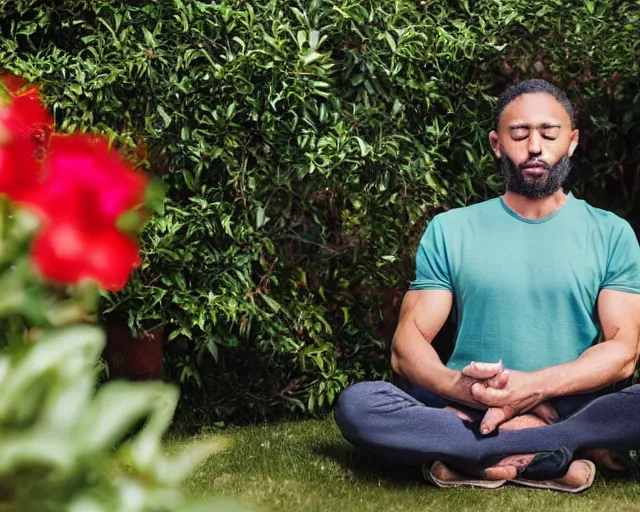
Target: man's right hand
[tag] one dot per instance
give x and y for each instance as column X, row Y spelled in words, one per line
column 483, row 371
column 491, row 375
column 496, row 416
column 488, row 374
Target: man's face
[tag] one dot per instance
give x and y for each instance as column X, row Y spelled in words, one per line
column 534, row 143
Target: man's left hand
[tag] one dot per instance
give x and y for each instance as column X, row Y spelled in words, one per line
column 513, row 394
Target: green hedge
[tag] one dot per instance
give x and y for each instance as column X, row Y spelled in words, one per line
column 305, row 144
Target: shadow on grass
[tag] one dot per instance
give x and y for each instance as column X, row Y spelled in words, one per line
column 359, row 465
column 631, row 476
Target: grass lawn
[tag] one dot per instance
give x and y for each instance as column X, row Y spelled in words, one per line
column 306, row 466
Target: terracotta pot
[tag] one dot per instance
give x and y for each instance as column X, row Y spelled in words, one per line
column 134, row 358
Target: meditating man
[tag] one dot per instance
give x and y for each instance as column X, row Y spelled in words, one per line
column 546, row 291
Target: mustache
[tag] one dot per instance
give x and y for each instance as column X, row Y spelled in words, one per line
column 535, row 163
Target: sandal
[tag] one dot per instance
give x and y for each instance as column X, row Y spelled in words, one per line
column 558, row 484
column 444, row 477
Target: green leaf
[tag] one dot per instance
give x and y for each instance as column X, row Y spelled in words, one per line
column 364, row 149
column 231, row 110
column 130, row 222
column 261, row 218
column 301, row 38
column 155, row 195
column 397, row 107
column 299, row 15
column 391, row 41
column 345, row 315
column 310, row 57
column 314, row 38
column 357, row 79
column 163, row 114
column 148, row 37
column 271, row 303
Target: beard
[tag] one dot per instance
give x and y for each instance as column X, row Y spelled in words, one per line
column 535, row 187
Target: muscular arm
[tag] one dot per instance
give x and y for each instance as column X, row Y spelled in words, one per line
column 422, row 315
column 605, row 363
column 598, row 367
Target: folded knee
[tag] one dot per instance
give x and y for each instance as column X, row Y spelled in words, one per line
column 356, row 404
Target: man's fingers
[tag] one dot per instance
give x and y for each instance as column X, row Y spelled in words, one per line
column 499, row 381
column 482, row 371
column 489, row 396
column 494, row 417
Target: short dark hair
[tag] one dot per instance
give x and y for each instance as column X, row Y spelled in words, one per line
column 535, row 85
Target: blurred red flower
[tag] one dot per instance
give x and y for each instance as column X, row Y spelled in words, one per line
column 65, row 253
column 86, row 183
column 25, row 126
column 25, row 117
column 77, row 185
column 19, row 170
column 86, row 188
column 12, row 82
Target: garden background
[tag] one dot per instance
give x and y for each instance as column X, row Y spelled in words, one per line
column 304, row 146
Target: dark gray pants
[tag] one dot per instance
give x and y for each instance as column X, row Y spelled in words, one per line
column 414, row 428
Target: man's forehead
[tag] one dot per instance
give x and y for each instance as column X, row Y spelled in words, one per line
column 535, row 109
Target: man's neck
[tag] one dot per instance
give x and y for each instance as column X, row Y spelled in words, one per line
column 535, row 209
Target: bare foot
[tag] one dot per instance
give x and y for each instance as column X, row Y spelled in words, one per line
column 517, row 423
column 577, row 475
column 541, row 416
column 522, row 422
column 509, row 467
column 505, row 418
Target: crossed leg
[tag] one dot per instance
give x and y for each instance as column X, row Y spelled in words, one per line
column 578, row 473
column 411, row 430
column 542, row 415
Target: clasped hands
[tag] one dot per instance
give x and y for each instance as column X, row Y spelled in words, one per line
column 506, row 393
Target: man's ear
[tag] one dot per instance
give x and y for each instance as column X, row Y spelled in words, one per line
column 575, row 138
column 495, row 143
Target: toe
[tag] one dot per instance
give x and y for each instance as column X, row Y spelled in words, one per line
column 501, row 473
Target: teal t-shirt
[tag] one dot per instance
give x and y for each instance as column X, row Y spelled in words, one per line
column 525, row 291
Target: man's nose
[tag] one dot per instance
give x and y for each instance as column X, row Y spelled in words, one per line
column 535, row 146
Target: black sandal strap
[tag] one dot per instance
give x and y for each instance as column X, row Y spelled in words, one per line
column 548, row 465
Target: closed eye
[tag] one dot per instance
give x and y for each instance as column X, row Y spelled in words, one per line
column 519, row 133
column 550, row 132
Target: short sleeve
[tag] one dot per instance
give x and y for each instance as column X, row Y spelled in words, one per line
column 623, row 267
column 432, row 267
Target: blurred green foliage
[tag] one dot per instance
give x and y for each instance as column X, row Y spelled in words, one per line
column 64, row 446
column 305, row 143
